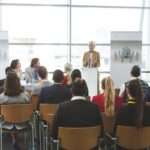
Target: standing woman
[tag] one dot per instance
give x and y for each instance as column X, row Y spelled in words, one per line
column 107, row 101
column 16, row 67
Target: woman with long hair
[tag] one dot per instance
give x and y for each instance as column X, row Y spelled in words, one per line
column 135, row 113
column 107, row 101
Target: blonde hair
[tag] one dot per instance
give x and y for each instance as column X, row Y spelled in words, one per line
column 109, row 94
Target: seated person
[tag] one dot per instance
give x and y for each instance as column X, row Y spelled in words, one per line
column 31, row 74
column 108, row 102
column 75, row 75
column 13, row 92
column 16, row 67
column 56, row 93
column 78, row 112
column 8, row 69
column 67, row 74
column 135, row 74
column 135, row 113
column 43, row 82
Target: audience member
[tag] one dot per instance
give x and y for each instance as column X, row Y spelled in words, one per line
column 135, row 74
column 16, row 66
column 136, row 112
column 78, row 112
column 75, row 75
column 67, row 74
column 43, row 82
column 2, row 81
column 56, row 93
column 13, row 92
column 31, row 73
column 108, row 102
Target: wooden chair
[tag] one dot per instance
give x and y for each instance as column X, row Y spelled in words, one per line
column 14, row 114
column 80, row 138
column 47, row 112
column 35, row 101
column 108, row 123
column 133, row 138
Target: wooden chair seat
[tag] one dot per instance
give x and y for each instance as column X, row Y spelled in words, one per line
column 80, row 138
column 133, row 138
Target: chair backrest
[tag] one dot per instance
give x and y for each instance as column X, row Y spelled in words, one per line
column 133, row 138
column 108, row 123
column 16, row 113
column 35, row 101
column 80, row 138
column 48, row 108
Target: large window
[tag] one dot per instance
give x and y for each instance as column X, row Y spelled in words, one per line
column 57, row 31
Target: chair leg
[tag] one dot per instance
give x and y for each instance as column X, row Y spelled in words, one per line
column 46, row 137
column 40, row 135
column 33, row 143
column 1, row 140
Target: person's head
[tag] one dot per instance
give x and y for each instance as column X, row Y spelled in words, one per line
column 135, row 93
column 109, row 94
column 35, row 62
column 92, row 45
column 76, row 74
column 135, row 71
column 15, row 64
column 67, row 67
column 58, row 76
column 42, row 72
column 78, row 87
column 12, row 85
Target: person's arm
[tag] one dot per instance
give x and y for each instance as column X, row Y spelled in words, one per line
column 98, row 60
column 85, row 60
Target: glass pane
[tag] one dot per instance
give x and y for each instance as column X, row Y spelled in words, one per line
column 77, row 55
column 147, row 3
column 35, row 1
column 146, row 26
column 52, row 57
column 146, row 62
column 109, row 2
column 96, row 24
column 35, row 24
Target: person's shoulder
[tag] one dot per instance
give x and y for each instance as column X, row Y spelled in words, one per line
column 98, row 97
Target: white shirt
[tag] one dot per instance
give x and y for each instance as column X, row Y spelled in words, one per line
column 78, row 98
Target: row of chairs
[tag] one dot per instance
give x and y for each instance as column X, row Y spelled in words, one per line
column 127, row 137
column 84, row 138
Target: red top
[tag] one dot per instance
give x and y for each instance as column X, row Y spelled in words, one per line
column 99, row 100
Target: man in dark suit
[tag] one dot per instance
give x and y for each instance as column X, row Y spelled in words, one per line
column 56, row 93
column 77, row 112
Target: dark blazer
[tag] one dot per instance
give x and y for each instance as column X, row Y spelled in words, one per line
column 76, row 113
column 127, row 114
column 55, row 94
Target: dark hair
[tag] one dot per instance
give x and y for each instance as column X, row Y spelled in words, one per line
column 42, row 72
column 34, row 61
column 135, row 90
column 58, row 76
column 12, row 85
column 7, row 70
column 78, row 87
column 76, row 73
column 135, row 71
column 103, row 83
column 14, row 63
